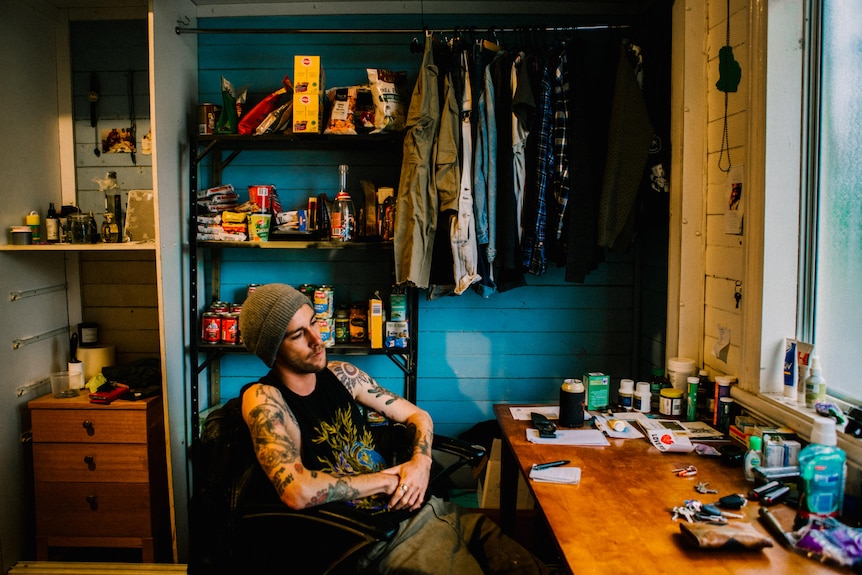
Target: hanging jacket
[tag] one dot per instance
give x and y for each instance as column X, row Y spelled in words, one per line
column 416, row 205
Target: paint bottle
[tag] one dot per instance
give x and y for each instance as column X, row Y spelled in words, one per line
column 572, row 398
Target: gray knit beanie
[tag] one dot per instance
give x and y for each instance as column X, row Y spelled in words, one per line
column 264, row 318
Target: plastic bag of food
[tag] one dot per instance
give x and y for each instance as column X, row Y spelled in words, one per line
column 389, row 89
column 227, row 120
column 342, row 103
column 257, row 114
column 363, row 114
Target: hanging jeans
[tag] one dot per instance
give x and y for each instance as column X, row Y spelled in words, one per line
column 416, row 205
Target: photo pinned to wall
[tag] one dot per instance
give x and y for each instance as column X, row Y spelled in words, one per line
column 733, row 211
column 118, row 141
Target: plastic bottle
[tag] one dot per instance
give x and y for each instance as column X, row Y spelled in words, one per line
column 343, row 215
column 52, row 225
column 657, row 382
column 822, row 471
column 753, row 457
column 572, row 398
column 32, row 221
column 678, row 371
column 815, row 385
column 705, row 395
column 627, row 394
column 643, row 397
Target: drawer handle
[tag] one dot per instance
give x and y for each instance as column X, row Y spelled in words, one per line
column 88, row 425
column 90, row 461
column 94, row 505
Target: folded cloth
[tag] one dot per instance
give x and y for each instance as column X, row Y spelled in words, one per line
column 726, row 536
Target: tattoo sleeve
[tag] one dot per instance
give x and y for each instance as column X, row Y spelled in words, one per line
column 276, row 451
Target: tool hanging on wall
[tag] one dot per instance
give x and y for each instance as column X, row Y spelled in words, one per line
column 132, row 135
column 93, row 97
column 729, row 75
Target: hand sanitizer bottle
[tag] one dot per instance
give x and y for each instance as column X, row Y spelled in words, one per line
column 822, row 471
column 753, row 457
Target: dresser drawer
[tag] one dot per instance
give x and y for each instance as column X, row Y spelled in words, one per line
column 93, row 509
column 89, row 426
column 95, row 462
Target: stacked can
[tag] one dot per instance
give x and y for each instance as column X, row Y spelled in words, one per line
column 324, row 312
column 220, row 324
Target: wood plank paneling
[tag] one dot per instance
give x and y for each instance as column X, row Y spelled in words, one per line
column 473, row 352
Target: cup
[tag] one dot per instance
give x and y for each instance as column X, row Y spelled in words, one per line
column 60, row 385
column 258, row 227
column 76, row 375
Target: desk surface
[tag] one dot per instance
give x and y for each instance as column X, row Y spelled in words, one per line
column 619, row 520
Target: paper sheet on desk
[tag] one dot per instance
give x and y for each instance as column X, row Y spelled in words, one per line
column 668, row 441
column 569, row 437
column 556, row 475
column 523, row 413
column 629, row 432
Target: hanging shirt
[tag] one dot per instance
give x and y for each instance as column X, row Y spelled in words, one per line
column 463, row 228
column 416, row 205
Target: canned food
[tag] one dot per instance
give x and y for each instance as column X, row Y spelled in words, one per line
column 670, row 402
column 251, row 288
column 326, row 331
column 324, row 301
column 308, row 291
column 342, row 325
column 235, row 308
column 229, row 328
column 210, row 327
column 207, row 115
column 220, row 307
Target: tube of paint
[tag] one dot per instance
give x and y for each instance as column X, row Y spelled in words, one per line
column 790, row 371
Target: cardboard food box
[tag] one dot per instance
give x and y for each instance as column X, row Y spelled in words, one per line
column 307, row 113
column 488, row 492
column 598, row 387
column 375, row 323
column 308, row 75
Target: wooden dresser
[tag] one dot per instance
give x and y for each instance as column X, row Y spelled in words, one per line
column 100, row 476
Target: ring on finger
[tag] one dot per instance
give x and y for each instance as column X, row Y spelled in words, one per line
column 403, row 487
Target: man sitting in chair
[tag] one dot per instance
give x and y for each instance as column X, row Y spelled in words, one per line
column 314, row 444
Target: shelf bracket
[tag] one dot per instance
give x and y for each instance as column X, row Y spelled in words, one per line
column 21, row 294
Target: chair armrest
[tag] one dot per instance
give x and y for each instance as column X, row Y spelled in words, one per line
column 471, row 453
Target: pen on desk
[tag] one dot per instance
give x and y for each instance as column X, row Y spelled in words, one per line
column 550, row 464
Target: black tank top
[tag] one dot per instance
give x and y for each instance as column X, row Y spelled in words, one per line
column 335, row 436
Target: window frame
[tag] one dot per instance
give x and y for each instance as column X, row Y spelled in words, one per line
column 774, row 254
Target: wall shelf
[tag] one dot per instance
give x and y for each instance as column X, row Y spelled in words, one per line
column 127, row 246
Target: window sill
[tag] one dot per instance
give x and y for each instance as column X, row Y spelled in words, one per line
column 773, row 409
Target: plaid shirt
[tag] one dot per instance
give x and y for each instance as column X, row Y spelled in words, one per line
column 552, row 168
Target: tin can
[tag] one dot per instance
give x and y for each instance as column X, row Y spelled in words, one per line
column 342, row 325
column 219, row 307
column 670, row 402
column 251, row 288
column 210, row 327
column 358, row 323
column 261, row 194
column 229, row 328
column 207, row 115
column 307, row 290
column 324, row 302
column 327, row 334
column 235, row 308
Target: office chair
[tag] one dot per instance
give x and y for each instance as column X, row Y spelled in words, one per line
column 239, row 525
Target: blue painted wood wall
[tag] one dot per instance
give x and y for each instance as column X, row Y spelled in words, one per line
column 515, row 346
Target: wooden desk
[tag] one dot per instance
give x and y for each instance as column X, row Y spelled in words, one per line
column 619, row 520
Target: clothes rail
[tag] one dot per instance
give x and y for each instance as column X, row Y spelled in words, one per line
column 469, row 29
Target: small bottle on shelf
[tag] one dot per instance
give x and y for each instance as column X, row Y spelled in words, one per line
column 343, row 217
column 52, row 225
